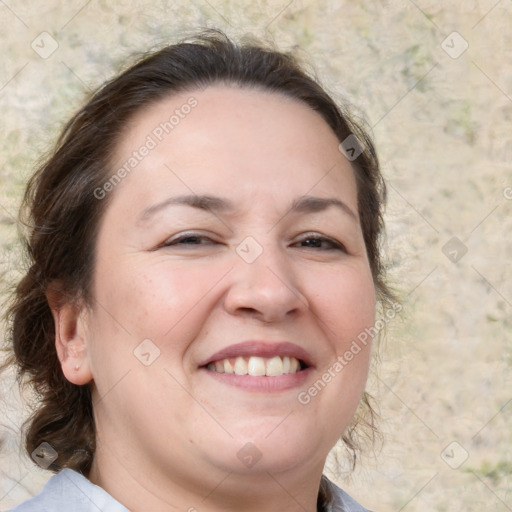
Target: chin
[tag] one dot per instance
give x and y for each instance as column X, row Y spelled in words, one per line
column 252, row 459
column 268, row 446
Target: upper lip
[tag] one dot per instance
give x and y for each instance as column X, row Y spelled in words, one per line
column 262, row 349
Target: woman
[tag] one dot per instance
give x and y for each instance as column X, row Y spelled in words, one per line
column 204, row 254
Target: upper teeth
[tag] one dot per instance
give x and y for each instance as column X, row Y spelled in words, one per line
column 256, row 366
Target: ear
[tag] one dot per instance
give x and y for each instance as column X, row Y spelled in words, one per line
column 69, row 317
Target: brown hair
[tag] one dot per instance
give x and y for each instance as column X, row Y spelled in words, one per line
column 63, row 215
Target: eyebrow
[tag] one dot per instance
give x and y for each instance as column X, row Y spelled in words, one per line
column 201, row 202
column 214, row 204
column 310, row 204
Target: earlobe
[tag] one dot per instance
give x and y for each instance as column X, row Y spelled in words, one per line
column 70, row 338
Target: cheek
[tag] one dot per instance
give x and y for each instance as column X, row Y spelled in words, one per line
column 155, row 301
column 345, row 307
column 345, row 303
column 162, row 303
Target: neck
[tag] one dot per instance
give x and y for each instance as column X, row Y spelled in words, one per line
column 213, row 491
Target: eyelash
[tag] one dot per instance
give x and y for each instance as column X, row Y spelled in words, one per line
column 334, row 246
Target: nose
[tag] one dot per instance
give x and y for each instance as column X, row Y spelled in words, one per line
column 266, row 289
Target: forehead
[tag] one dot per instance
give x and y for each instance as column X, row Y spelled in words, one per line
column 240, row 142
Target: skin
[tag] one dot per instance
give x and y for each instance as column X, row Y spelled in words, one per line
column 168, row 433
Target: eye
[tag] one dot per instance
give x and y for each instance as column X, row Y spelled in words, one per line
column 188, row 239
column 323, row 243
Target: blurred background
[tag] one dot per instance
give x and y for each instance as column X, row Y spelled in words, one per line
column 433, row 80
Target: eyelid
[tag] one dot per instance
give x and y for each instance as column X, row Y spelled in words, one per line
column 319, row 236
column 311, row 235
column 173, row 240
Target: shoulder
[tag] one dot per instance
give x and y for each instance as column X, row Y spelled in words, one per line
column 73, row 490
column 342, row 502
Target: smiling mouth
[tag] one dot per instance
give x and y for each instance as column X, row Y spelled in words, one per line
column 256, row 366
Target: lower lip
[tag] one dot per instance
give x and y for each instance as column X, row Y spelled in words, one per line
column 262, row 383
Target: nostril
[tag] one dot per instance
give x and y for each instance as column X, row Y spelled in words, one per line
column 251, row 311
column 256, row 314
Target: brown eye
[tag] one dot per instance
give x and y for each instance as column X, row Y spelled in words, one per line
column 192, row 240
column 188, row 239
column 321, row 242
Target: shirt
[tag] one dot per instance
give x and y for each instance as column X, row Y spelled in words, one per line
column 78, row 494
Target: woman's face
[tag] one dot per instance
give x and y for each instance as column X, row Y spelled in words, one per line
column 231, row 244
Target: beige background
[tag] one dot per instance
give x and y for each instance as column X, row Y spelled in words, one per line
column 443, row 128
